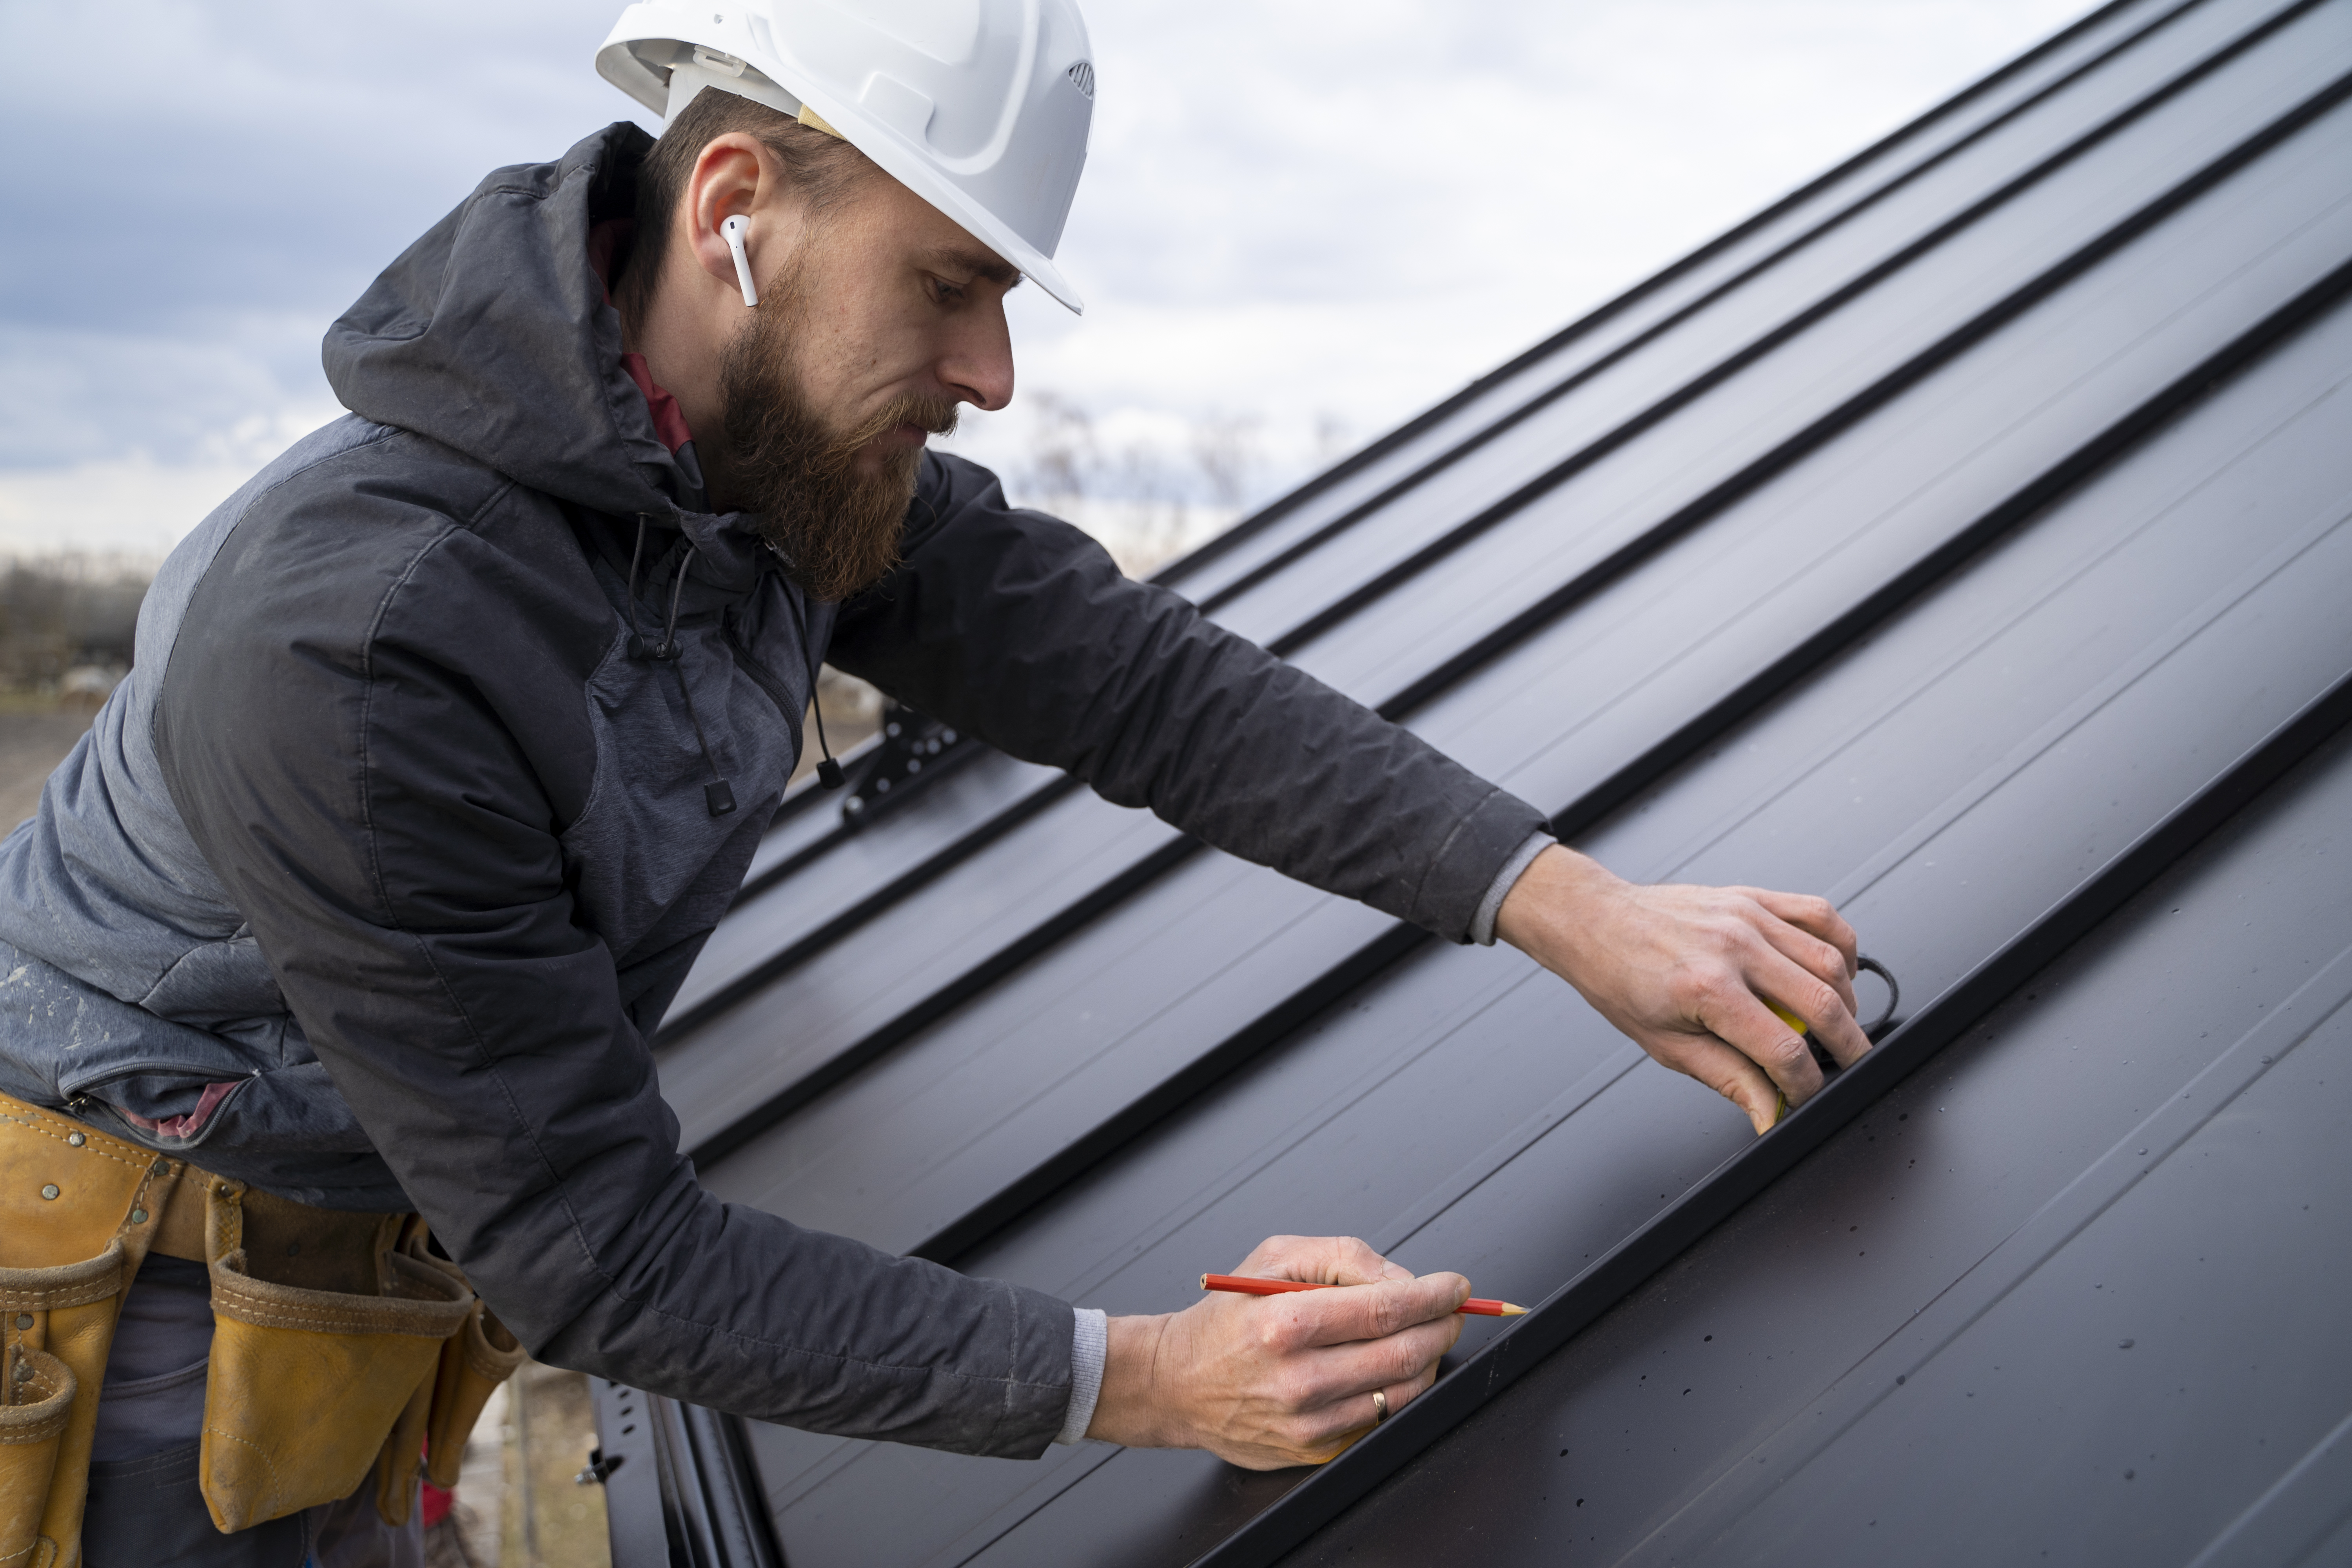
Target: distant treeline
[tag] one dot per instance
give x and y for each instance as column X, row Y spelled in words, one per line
column 65, row 611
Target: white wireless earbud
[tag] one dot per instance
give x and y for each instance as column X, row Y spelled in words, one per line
column 735, row 228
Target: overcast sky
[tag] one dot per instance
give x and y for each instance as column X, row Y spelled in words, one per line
column 1306, row 217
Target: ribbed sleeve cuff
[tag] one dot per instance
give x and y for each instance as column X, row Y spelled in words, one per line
column 1090, row 1347
column 1482, row 924
column 1462, row 872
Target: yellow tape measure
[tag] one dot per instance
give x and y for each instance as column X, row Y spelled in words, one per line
column 1862, row 963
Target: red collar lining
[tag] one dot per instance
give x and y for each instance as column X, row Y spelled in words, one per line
column 670, row 423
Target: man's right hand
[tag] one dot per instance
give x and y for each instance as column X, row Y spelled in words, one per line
column 1692, row 974
column 1265, row 1381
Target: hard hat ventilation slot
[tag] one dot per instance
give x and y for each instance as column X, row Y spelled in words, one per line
column 1081, row 75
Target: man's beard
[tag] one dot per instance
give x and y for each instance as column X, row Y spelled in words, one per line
column 839, row 528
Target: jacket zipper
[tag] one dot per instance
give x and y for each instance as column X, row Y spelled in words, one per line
column 761, row 677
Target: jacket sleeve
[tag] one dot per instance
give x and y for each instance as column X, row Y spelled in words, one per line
column 1020, row 629
column 356, row 758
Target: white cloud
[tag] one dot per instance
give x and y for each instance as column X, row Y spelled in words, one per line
column 126, row 506
column 77, row 393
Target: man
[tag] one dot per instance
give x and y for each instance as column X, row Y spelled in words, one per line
column 452, row 734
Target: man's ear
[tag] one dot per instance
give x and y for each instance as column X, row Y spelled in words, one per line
column 735, row 176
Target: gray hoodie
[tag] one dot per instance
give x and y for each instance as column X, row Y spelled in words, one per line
column 372, row 882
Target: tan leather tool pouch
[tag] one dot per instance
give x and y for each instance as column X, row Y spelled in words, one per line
column 478, row 1358
column 77, row 1212
column 38, row 1403
column 327, row 1339
column 432, row 1430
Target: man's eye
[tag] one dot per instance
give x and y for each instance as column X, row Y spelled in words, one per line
column 946, row 293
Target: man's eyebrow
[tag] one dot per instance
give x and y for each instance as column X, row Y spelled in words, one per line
column 980, row 264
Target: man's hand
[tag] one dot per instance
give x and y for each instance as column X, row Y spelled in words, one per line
column 1263, row 1382
column 1681, row 971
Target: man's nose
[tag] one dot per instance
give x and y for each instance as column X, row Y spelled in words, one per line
column 978, row 367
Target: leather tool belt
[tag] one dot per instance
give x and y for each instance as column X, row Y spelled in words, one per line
column 339, row 1343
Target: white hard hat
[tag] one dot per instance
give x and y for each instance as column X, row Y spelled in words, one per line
column 979, row 107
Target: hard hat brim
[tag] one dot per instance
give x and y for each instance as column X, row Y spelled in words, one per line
column 901, row 162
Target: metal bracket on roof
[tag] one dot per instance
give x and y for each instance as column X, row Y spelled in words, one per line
column 681, row 1490
column 915, row 751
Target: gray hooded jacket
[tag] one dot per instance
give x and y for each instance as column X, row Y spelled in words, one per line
column 373, row 881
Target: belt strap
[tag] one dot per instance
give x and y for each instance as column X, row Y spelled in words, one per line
column 180, row 1228
column 167, row 1214
column 68, row 1188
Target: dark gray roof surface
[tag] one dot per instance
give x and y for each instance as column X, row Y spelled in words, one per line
column 1967, row 537
column 2102, row 1239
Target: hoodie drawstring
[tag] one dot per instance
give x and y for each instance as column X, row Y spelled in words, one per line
column 637, row 553
column 718, row 795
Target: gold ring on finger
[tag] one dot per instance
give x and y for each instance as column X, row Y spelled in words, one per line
column 1379, row 1405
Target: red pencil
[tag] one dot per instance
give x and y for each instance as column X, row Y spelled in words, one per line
column 1243, row 1286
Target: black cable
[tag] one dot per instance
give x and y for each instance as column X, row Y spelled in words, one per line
column 828, row 772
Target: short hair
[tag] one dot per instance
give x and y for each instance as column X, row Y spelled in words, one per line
column 823, row 169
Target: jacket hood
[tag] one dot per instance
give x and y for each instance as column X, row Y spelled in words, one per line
column 491, row 334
